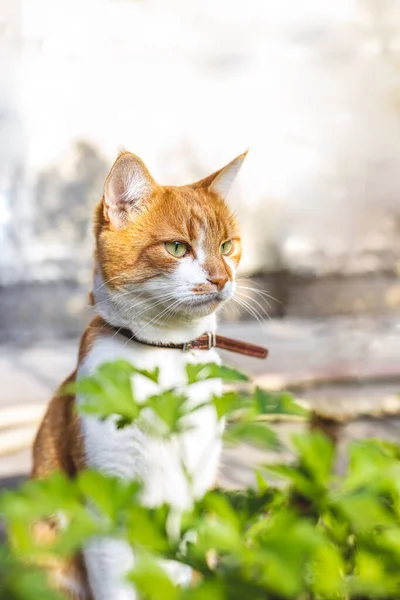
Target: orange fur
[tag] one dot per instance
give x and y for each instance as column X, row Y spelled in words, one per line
column 58, row 447
column 177, row 213
column 130, row 249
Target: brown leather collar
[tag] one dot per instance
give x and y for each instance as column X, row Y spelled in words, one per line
column 204, row 342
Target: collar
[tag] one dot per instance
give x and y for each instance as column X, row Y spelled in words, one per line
column 204, row 342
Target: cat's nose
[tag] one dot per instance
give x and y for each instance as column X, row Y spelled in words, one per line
column 218, row 280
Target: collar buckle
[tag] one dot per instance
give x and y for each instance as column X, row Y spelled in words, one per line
column 211, row 342
column 212, row 339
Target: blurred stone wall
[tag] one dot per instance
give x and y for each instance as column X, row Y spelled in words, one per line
column 312, row 87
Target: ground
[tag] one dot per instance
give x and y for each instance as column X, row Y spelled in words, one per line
column 347, row 368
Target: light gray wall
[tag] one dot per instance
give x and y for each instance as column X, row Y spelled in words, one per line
column 310, row 86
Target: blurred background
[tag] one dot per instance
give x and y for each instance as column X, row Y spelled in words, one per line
column 311, row 86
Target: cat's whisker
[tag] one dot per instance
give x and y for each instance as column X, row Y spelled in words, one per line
column 124, row 309
column 166, row 297
column 119, row 276
column 170, row 312
column 116, row 297
column 126, row 312
column 260, row 292
column 263, row 313
column 123, row 275
column 251, row 299
column 117, row 313
column 229, row 305
column 128, row 309
column 252, row 311
column 152, row 305
column 248, row 301
column 154, row 320
column 245, row 275
column 262, row 299
column 250, row 276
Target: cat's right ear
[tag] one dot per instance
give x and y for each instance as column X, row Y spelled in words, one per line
column 128, row 186
column 221, row 181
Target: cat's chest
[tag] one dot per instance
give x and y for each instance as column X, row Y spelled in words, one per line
column 170, row 362
column 131, row 453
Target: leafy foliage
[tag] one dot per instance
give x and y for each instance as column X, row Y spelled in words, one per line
column 318, row 536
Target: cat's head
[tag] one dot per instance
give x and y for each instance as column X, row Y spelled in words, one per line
column 164, row 252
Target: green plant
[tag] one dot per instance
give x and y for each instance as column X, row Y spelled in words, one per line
column 318, row 536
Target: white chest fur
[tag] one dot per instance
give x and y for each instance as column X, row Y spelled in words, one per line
column 130, row 453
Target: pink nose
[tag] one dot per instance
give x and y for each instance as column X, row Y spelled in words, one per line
column 218, row 280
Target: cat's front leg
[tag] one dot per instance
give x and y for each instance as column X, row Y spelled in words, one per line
column 107, row 563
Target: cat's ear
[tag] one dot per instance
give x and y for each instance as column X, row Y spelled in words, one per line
column 221, row 181
column 128, row 186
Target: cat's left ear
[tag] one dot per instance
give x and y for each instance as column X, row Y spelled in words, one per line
column 128, row 187
column 222, row 180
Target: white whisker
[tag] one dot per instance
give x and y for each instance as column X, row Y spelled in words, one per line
column 260, row 292
column 250, row 299
column 250, row 310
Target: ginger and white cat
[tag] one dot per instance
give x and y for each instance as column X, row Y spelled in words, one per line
column 165, row 261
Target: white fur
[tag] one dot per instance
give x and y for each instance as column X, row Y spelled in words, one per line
column 162, row 309
column 107, row 562
column 137, row 186
column 127, row 187
column 201, row 255
column 189, row 270
column 224, row 180
column 129, row 453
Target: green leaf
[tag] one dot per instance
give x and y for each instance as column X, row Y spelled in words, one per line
column 109, row 495
column 281, row 403
column 117, row 370
column 109, row 392
column 171, row 408
column 328, row 569
column 323, row 537
column 226, row 403
column 249, row 503
column 372, row 577
column 221, row 535
column 146, row 530
column 152, row 581
column 81, row 527
column 205, row 590
column 257, row 434
column 316, row 455
column 37, row 498
column 283, row 545
column 152, row 375
column 20, row 581
column 217, row 504
column 365, row 511
column 262, row 484
column 374, row 464
column 301, row 480
column 201, row 372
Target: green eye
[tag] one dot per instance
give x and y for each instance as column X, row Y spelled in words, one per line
column 177, row 249
column 227, row 247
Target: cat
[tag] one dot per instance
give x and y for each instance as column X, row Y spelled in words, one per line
column 165, row 262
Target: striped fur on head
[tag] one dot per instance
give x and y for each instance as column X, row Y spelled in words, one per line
column 135, row 219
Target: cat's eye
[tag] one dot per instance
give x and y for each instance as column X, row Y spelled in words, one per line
column 227, row 247
column 177, row 249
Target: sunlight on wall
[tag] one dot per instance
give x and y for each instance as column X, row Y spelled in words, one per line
column 187, row 86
